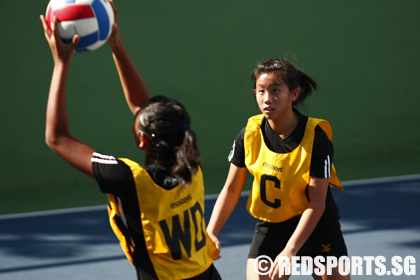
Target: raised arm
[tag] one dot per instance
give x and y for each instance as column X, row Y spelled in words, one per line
column 57, row 134
column 135, row 89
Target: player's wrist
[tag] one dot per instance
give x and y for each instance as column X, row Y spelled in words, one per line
column 291, row 249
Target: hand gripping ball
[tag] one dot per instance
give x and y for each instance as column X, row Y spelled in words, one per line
column 91, row 19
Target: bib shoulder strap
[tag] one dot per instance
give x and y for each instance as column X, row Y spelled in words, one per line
column 323, row 124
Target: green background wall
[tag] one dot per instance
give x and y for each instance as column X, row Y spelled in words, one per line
column 364, row 55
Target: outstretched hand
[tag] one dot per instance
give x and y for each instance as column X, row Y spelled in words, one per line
column 115, row 37
column 61, row 51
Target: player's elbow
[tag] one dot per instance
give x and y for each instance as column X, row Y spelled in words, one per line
column 52, row 140
column 317, row 206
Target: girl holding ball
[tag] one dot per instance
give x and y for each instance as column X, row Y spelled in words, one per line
column 156, row 209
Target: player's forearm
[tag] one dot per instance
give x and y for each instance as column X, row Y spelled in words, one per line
column 317, row 190
column 134, row 87
column 308, row 221
column 56, row 119
column 223, row 208
column 228, row 199
column 57, row 134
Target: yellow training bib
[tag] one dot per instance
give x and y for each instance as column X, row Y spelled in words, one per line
column 280, row 180
column 173, row 225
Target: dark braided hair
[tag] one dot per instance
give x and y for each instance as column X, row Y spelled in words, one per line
column 289, row 74
column 166, row 124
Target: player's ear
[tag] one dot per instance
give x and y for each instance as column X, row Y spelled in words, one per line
column 143, row 141
column 295, row 94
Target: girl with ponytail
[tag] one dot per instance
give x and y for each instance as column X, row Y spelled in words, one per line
column 156, row 209
column 172, row 143
column 290, row 157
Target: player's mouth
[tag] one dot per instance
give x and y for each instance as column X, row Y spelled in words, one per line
column 268, row 110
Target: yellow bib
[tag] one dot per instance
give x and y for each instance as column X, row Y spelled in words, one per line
column 173, row 225
column 280, row 180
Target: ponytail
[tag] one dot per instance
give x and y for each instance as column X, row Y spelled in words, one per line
column 306, row 85
column 187, row 158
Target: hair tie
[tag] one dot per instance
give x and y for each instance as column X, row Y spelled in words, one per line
column 184, row 127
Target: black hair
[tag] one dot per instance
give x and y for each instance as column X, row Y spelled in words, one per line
column 172, row 142
column 289, row 74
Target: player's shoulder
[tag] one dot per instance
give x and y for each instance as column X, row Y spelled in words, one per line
column 322, row 131
column 319, row 132
column 241, row 134
column 322, row 127
column 109, row 167
column 103, row 159
column 113, row 175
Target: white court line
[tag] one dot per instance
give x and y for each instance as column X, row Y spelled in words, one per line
column 353, row 183
column 382, row 180
column 53, row 212
column 206, row 197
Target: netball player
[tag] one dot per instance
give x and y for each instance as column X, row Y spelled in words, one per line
column 155, row 210
column 290, row 156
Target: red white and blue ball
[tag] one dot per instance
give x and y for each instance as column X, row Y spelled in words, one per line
column 91, row 19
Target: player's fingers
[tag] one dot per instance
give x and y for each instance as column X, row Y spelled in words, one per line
column 75, row 40
column 218, row 256
column 54, row 26
column 217, row 244
column 45, row 26
column 274, row 273
column 274, row 269
column 283, row 269
column 114, row 9
column 114, row 28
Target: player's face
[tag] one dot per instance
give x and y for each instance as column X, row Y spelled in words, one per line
column 273, row 96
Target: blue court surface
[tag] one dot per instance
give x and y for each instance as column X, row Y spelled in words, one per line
column 379, row 218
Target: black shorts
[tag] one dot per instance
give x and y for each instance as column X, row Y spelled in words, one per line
column 271, row 238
